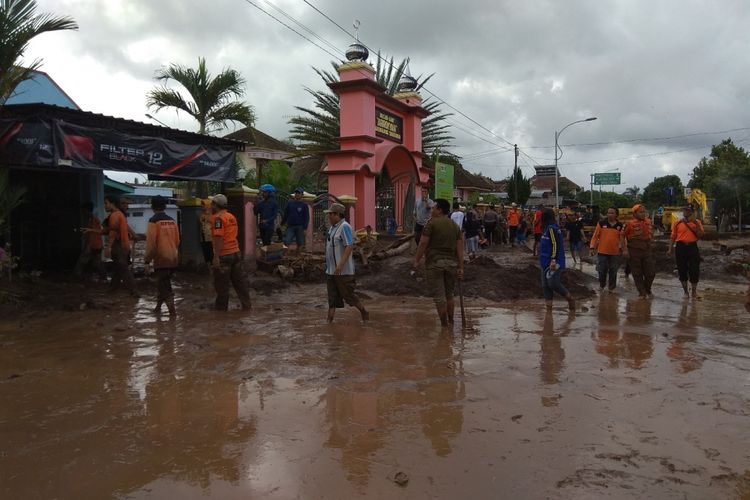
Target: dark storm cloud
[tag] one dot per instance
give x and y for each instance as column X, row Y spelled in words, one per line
column 521, row 69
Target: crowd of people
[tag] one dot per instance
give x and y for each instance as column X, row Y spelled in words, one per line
column 443, row 236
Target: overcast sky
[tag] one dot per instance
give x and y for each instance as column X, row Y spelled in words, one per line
column 646, row 69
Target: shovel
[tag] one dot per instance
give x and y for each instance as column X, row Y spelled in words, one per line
column 461, row 302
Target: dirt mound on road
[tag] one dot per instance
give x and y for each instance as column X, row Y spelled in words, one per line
column 484, row 277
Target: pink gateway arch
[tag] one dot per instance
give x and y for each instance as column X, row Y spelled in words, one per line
column 377, row 131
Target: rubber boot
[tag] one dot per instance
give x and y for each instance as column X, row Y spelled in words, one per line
column 171, row 307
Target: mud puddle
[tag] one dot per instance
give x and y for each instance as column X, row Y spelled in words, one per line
column 628, row 398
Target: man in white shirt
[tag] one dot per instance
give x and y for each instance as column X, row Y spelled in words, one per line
column 422, row 213
column 457, row 215
column 340, row 263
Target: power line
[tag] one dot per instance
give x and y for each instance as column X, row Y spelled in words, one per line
column 291, row 29
column 633, row 157
column 302, row 26
column 646, row 139
column 443, row 101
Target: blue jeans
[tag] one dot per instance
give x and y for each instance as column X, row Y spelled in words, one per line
column 552, row 282
column 295, row 233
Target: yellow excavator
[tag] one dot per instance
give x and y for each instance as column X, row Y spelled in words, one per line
column 698, row 200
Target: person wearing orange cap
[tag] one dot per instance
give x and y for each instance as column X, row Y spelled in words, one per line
column 227, row 262
column 639, row 233
column 685, row 235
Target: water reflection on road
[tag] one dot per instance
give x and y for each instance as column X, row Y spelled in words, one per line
column 628, row 397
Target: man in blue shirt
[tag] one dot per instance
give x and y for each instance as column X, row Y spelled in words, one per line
column 267, row 210
column 296, row 217
column 340, row 263
column 552, row 260
column 422, row 213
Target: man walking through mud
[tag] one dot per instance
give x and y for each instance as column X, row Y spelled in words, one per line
column 227, row 263
column 552, row 260
column 639, row 233
column 607, row 241
column 443, row 247
column 685, row 235
column 162, row 242
column 340, row 264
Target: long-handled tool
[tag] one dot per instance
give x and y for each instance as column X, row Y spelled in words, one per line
column 461, row 302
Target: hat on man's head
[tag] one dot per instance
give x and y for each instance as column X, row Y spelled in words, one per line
column 299, row 190
column 513, row 204
column 219, row 199
column 336, row 208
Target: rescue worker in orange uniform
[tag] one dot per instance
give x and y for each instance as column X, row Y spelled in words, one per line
column 162, row 243
column 116, row 227
column 227, row 262
column 639, row 233
column 514, row 219
column 685, row 235
column 91, row 254
column 607, row 243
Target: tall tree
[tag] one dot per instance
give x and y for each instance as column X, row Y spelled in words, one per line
column 317, row 128
column 519, row 187
column 633, row 192
column 19, row 24
column 665, row 190
column 212, row 101
column 724, row 176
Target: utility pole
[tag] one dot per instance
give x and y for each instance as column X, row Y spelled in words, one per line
column 515, row 173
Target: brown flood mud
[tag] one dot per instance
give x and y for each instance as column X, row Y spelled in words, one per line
column 627, row 398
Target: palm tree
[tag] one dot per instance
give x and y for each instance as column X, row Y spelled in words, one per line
column 19, row 24
column 212, row 100
column 317, row 128
column 633, row 192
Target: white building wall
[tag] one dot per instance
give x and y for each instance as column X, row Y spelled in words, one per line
column 140, row 213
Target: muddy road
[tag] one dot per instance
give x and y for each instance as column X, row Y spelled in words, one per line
column 626, row 399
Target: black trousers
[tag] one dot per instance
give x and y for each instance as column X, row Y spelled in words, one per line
column 418, row 228
column 688, row 260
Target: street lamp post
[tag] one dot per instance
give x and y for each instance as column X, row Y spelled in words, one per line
column 557, row 176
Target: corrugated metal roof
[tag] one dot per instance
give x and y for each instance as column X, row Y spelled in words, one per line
column 97, row 120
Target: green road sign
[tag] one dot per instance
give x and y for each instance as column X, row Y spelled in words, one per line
column 444, row 182
column 608, row 179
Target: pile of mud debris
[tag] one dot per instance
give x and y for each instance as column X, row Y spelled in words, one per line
column 484, row 277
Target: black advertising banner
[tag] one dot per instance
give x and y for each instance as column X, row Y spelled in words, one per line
column 55, row 143
column 26, row 143
column 388, row 125
column 112, row 150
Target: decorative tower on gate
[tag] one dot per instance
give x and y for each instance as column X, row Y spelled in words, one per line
column 376, row 132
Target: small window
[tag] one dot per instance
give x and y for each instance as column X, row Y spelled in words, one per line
column 137, row 214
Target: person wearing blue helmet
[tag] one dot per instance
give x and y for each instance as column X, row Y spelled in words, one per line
column 266, row 211
column 297, row 218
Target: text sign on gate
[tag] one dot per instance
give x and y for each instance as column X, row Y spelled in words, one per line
column 388, row 125
column 444, row 182
column 608, row 179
